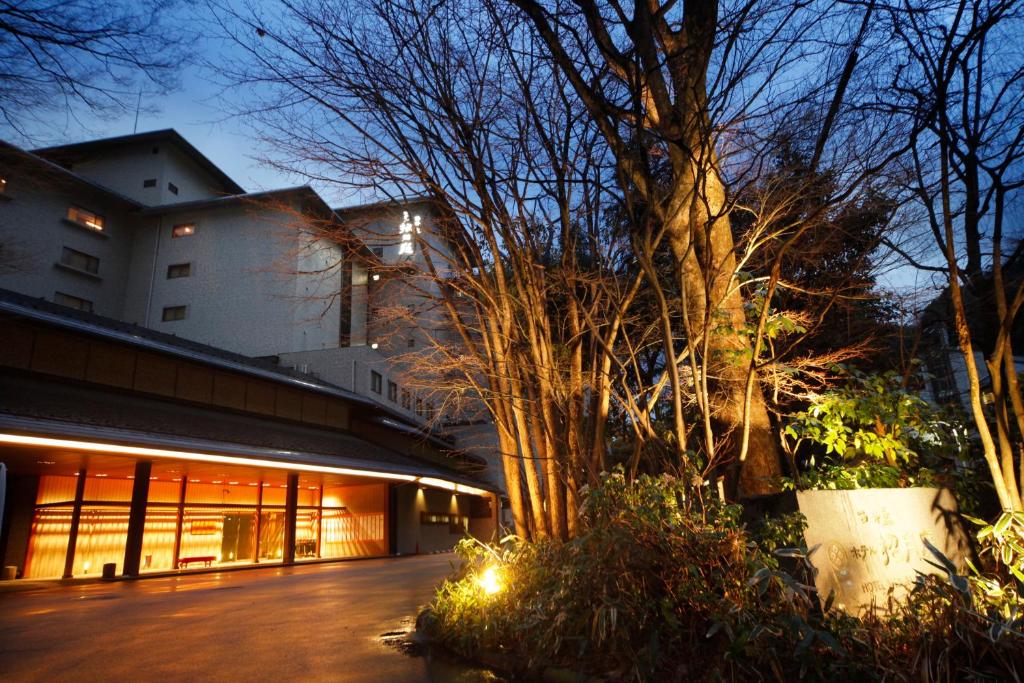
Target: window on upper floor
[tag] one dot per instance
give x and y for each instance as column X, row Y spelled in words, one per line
column 376, row 381
column 149, row 182
column 419, row 406
column 173, row 188
column 79, row 260
column 392, row 392
column 406, row 399
column 412, row 343
column 87, row 219
column 172, row 313
column 71, row 301
column 378, row 251
column 430, row 411
column 183, row 230
column 176, row 270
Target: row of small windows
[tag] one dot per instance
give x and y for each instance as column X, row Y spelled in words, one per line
column 377, row 387
column 72, row 301
column 96, row 222
column 151, row 182
column 87, row 219
column 176, row 270
column 80, row 261
column 172, row 313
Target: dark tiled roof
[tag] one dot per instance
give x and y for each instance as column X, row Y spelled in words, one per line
column 83, row 410
column 143, row 336
column 46, row 171
column 301, row 191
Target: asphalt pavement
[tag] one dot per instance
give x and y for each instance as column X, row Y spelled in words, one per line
column 323, row 622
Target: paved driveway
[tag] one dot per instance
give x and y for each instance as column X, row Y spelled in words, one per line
column 314, row 622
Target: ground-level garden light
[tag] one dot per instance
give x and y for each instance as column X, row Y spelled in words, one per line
column 490, row 581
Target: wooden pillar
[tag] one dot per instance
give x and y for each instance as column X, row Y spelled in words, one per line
column 76, row 516
column 259, row 519
column 291, row 503
column 392, row 519
column 496, row 516
column 179, row 522
column 320, row 521
column 137, row 518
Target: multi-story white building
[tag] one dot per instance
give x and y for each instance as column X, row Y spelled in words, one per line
column 146, row 231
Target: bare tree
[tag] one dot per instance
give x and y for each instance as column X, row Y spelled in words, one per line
column 959, row 82
column 671, row 86
column 535, row 293
column 63, row 55
column 597, row 294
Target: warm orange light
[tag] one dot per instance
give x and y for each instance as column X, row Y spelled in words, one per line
column 143, row 451
column 489, row 581
column 23, row 440
column 450, row 486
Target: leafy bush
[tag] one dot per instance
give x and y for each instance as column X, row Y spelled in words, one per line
column 873, row 433
column 665, row 583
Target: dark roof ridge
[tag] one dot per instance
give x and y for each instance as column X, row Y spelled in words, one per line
column 149, row 136
column 57, row 168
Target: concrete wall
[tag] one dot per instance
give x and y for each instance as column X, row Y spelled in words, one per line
column 350, row 368
column 34, row 229
column 246, row 292
column 411, row 501
column 126, row 168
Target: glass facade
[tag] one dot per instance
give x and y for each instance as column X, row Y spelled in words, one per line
column 194, row 521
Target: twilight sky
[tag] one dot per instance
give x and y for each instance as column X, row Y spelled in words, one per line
column 198, row 110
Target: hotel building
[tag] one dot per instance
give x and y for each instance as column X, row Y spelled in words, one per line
column 192, row 378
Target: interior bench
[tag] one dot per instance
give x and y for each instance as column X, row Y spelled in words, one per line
column 207, row 560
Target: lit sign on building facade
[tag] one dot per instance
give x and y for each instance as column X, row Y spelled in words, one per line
column 406, row 230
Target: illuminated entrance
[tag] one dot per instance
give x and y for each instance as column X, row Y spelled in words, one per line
column 199, row 519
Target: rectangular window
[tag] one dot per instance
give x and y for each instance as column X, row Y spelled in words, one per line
column 183, row 230
column 430, row 411
column 392, row 392
column 375, row 381
column 79, row 260
column 172, row 313
column 378, row 252
column 412, row 342
column 173, row 188
column 75, row 302
column 179, row 270
column 419, row 406
column 86, row 219
column 149, row 182
column 406, row 399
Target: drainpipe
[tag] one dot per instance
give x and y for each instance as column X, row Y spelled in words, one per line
column 152, row 276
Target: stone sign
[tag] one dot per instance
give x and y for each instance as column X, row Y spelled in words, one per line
column 869, row 543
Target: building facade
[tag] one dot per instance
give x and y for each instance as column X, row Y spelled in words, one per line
column 163, row 326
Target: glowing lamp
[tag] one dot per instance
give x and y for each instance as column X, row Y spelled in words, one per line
column 489, row 582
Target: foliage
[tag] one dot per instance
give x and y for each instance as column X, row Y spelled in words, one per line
column 665, row 583
column 869, row 475
column 779, row 532
column 871, row 432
